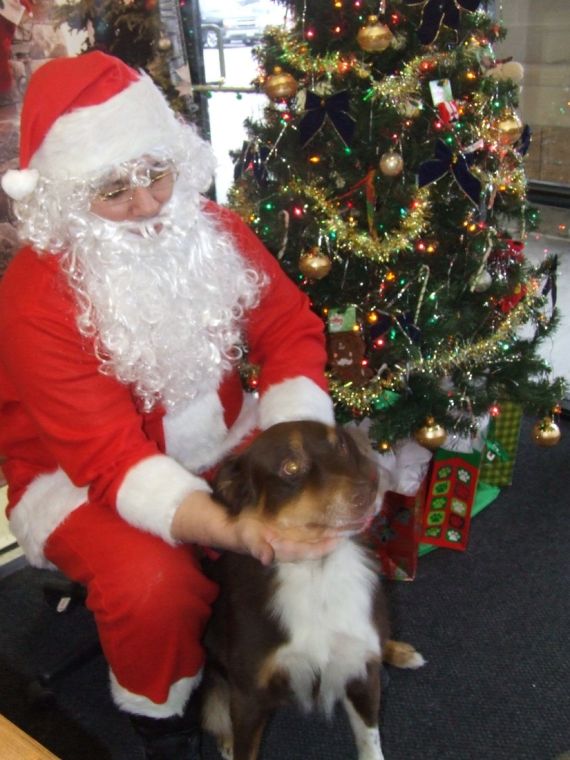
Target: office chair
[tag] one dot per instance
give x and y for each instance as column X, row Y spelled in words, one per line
column 63, row 596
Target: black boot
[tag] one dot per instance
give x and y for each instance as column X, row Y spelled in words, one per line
column 168, row 738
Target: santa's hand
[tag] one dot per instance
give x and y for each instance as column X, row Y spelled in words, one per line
column 267, row 543
column 201, row 520
column 286, row 550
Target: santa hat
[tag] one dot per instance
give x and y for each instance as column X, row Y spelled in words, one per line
column 84, row 115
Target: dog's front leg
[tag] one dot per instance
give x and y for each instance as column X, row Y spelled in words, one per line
column 362, row 704
column 249, row 717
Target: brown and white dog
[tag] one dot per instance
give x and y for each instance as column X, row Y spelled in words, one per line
column 312, row 632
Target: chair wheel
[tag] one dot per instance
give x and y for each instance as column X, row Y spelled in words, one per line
column 40, row 696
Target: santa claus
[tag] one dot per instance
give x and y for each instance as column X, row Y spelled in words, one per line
column 122, row 322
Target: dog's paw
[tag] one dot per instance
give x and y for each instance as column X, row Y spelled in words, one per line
column 226, row 750
column 402, row 655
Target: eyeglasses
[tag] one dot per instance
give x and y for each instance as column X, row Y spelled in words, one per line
column 120, row 191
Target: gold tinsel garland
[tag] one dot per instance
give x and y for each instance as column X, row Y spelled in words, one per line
column 361, row 243
column 407, row 84
column 363, row 398
column 347, row 238
column 297, row 54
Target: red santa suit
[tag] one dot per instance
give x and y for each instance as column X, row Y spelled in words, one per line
column 72, row 435
column 94, row 482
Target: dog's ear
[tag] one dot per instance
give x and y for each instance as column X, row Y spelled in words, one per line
column 232, row 485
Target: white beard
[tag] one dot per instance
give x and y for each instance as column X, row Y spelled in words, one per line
column 163, row 308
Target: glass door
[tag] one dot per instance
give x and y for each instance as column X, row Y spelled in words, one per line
column 535, row 51
column 221, row 35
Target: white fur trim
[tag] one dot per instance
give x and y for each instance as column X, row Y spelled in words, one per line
column 19, row 183
column 137, row 704
column 296, row 399
column 194, row 434
column 47, row 501
column 152, row 491
column 88, row 140
column 248, row 420
column 197, row 436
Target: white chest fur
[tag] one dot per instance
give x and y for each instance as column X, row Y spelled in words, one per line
column 325, row 607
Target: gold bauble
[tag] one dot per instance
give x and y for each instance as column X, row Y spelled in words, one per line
column 508, row 128
column 391, row 163
column 280, row 84
column 164, row 44
column 546, row 432
column 375, row 37
column 431, row 435
column 314, row 264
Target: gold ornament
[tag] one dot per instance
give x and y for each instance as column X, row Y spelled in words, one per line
column 384, row 447
column 374, row 37
column 546, row 432
column 508, row 128
column 164, row 44
column 314, row 264
column 431, row 435
column 391, row 163
column 280, row 84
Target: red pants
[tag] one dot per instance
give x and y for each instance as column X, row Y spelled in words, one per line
column 150, row 600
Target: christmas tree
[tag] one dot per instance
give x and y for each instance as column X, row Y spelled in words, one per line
column 387, row 176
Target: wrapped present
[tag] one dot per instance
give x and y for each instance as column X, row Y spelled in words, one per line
column 395, row 532
column 501, row 446
column 451, row 493
column 484, row 496
column 448, row 112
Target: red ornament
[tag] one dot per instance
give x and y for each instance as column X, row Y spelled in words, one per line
column 516, row 248
column 427, row 66
column 495, row 410
column 508, row 303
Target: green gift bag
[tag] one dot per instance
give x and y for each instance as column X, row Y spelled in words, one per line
column 502, row 443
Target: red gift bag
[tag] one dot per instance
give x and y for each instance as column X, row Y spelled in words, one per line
column 395, row 532
column 452, row 486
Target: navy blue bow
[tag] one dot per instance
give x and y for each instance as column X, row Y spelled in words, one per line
column 440, row 12
column 252, row 158
column 550, row 286
column 446, row 161
column 523, row 143
column 335, row 109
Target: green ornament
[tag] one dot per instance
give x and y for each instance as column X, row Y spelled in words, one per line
column 385, row 400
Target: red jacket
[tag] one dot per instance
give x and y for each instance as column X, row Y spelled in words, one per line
column 70, row 433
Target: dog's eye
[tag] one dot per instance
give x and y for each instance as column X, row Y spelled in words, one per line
column 290, row 467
